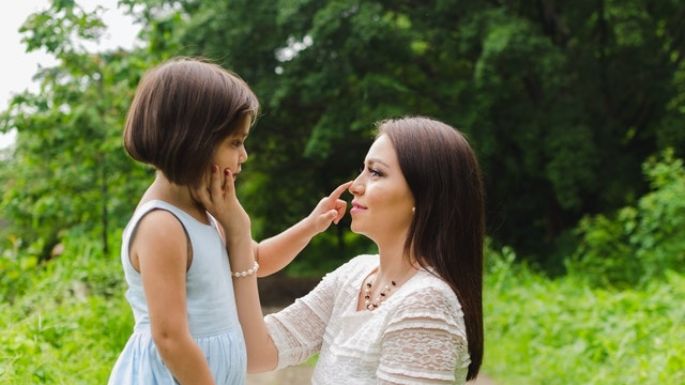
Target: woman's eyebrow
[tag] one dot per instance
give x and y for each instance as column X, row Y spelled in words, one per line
column 375, row 160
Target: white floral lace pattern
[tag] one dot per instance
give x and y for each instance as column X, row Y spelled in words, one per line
column 416, row 337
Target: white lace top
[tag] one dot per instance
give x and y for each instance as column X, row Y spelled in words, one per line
column 416, row 336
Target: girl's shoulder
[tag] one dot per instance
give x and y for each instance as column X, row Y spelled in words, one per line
column 155, row 215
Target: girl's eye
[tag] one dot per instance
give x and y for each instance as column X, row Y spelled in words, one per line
column 237, row 143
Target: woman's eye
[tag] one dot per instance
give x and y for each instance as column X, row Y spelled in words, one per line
column 375, row 172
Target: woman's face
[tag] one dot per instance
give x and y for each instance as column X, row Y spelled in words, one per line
column 382, row 204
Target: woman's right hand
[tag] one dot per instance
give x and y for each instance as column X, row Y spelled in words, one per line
column 219, row 198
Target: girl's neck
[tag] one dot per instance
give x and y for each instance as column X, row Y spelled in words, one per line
column 177, row 195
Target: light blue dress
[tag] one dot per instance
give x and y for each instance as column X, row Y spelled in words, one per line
column 212, row 313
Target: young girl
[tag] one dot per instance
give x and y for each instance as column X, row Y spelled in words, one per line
column 411, row 314
column 189, row 119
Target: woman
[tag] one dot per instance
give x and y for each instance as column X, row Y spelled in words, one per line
column 411, row 314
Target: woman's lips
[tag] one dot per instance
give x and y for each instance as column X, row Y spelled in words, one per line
column 356, row 207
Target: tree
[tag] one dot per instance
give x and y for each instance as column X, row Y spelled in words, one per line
column 68, row 170
column 563, row 102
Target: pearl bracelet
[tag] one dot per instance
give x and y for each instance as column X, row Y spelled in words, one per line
column 250, row 271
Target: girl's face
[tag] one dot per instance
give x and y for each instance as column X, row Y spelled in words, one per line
column 230, row 153
column 382, row 204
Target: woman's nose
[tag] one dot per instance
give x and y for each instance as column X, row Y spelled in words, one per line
column 356, row 188
column 243, row 156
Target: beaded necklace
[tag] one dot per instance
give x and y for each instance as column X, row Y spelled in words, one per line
column 370, row 305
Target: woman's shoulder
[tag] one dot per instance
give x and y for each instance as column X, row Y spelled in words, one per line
column 428, row 292
column 357, row 264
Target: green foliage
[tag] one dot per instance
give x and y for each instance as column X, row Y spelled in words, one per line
column 562, row 103
column 67, row 170
column 69, row 323
column 639, row 243
column 541, row 91
column 542, row 331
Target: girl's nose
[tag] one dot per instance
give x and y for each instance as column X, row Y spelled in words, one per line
column 243, row 156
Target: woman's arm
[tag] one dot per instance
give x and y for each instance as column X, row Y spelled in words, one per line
column 160, row 248
column 278, row 251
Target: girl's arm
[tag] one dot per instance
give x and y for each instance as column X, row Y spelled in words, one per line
column 220, row 200
column 276, row 252
column 160, row 248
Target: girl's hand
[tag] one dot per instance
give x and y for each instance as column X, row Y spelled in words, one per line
column 330, row 209
column 218, row 197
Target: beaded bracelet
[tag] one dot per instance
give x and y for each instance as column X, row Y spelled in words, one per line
column 250, row 271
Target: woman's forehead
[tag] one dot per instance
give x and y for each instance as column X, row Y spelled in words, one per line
column 382, row 151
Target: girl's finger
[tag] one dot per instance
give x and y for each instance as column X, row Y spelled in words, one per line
column 199, row 194
column 215, row 184
column 229, row 183
column 330, row 216
column 340, row 211
column 339, row 190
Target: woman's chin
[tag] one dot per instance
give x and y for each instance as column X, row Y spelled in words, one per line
column 359, row 230
column 354, row 226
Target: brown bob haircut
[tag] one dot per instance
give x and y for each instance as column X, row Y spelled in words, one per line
column 448, row 224
column 182, row 109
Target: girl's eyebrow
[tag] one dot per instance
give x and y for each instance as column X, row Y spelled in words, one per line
column 241, row 133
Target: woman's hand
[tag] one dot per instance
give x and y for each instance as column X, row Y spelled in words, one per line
column 330, row 209
column 219, row 198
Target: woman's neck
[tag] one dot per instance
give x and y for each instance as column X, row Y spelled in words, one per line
column 395, row 264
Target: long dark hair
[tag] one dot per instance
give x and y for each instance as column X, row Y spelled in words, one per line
column 448, row 226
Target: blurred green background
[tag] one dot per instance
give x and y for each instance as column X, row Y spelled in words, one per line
column 575, row 109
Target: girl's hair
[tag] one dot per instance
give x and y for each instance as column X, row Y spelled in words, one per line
column 447, row 228
column 181, row 110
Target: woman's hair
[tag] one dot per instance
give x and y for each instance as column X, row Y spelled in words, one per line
column 181, row 110
column 448, row 224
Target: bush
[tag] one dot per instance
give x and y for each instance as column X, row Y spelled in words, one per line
column 68, row 322
column 641, row 242
column 542, row 331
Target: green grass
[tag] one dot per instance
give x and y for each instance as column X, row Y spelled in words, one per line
column 542, row 331
column 71, row 322
column 68, row 325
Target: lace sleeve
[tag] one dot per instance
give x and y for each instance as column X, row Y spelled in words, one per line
column 297, row 331
column 425, row 342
